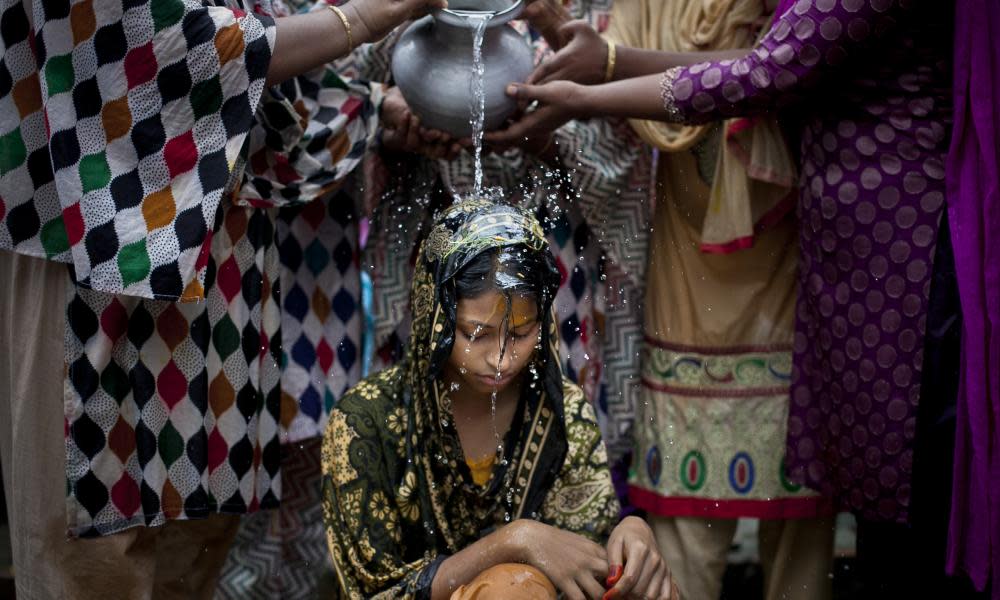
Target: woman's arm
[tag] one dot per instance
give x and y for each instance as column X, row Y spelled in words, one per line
column 459, row 569
column 559, row 102
column 584, row 58
column 805, row 46
column 637, row 62
column 811, row 44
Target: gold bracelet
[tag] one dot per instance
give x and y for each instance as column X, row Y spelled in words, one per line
column 609, row 69
column 347, row 25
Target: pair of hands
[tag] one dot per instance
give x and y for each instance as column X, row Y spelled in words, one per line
column 580, row 59
column 631, row 566
column 556, row 87
column 402, row 132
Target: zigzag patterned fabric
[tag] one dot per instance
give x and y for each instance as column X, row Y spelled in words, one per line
column 282, row 553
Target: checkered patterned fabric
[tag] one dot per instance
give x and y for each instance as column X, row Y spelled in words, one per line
column 146, row 151
column 121, row 123
column 173, row 407
column 321, row 317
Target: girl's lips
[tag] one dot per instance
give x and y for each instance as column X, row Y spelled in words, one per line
column 492, row 380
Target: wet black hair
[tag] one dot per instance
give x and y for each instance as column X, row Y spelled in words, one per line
column 520, row 270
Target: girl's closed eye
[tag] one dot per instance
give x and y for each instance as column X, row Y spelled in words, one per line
column 524, row 333
column 475, row 336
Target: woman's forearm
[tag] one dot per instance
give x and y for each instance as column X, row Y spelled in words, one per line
column 636, row 98
column 637, row 62
column 501, row 546
column 306, row 41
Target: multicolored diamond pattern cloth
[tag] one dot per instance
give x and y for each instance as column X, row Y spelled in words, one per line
column 172, row 408
column 121, row 124
column 140, row 144
column 321, row 317
column 279, row 552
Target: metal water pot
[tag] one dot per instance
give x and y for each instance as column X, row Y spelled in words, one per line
column 432, row 64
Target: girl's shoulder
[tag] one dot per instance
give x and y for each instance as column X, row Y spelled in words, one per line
column 371, row 412
column 576, row 407
column 374, row 395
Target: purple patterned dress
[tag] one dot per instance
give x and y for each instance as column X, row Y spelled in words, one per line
column 871, row 79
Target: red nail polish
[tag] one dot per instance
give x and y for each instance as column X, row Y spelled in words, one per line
column 614, row 575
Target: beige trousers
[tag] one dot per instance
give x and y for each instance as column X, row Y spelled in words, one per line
column 796, row 555
column 179, row 560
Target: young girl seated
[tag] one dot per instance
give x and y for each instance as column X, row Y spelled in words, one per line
column 476, row 451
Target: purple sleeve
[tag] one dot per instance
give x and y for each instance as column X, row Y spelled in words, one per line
column 812, row 39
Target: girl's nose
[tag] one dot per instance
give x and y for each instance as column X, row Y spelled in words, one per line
column 493, row 359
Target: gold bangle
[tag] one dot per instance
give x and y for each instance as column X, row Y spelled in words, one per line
column 609, row 69
column 347, row 25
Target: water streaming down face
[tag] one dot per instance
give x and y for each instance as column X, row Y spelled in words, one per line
column 496, row 302
column 498, row 376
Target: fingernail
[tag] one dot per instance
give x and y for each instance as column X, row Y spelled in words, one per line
column 610, row 595
column 614, row 575
column 512, row 90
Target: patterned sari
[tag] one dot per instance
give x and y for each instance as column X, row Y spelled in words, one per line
column 398, row 495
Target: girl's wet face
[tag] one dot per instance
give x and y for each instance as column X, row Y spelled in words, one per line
column 482, row 324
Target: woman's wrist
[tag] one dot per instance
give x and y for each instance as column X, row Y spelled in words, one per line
column 587, row 102
column 360, row 33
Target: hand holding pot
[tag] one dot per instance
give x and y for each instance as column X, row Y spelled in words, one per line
column 547, row 17
column 572, row 562
column 558, row 103
column 583, row 58
column 377, row 18
column 402, row 131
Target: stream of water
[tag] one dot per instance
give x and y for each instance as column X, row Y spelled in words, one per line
column 478, row 102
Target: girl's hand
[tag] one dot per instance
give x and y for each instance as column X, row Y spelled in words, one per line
column 636, row 569
column 572, row 562
column 582, row 59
